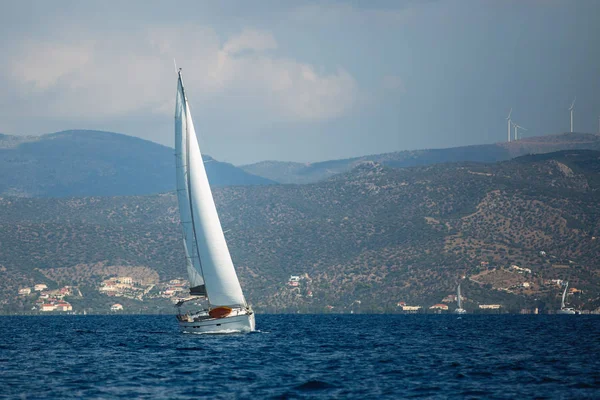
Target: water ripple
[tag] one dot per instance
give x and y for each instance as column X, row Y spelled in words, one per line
column 302, row 356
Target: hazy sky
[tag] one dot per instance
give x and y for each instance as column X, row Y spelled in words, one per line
column 301, row 81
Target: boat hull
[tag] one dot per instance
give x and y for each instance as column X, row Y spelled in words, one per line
column 567, row 311
column 460, row 311
column 233, row 324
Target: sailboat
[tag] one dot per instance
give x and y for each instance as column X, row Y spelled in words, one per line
column 459, row 310
column 563, row 308
column 217, row 302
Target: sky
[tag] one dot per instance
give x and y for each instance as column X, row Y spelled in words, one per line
column 302, row 81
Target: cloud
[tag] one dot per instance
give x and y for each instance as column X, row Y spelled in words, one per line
column 293, row 88
column 347, row 14
column 302, row 93
column 393, row 83
column 43, row 65
column 250, row 40
column 91, row 76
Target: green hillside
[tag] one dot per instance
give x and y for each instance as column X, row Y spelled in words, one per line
column 375, row 234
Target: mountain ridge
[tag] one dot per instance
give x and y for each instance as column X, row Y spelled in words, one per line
column 86, row 162
column 293, row 172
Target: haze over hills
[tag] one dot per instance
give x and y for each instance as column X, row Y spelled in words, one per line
column 95, row 163
column 290, row 172
column 374, row 234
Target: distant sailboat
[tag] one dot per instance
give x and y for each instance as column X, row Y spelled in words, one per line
column 563, row 308
column 459, row 310
column 215, row 291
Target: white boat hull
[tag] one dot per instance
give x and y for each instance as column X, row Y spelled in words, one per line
column 568, row 311
column 234, row 324
column 460, row 311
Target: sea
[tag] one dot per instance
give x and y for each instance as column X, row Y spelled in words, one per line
column 303, row 357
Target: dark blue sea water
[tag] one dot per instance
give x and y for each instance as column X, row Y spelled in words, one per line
column 302, row 356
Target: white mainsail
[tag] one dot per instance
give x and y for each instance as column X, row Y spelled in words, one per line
column 562, row 304
column 208, row 258
column 458, row 297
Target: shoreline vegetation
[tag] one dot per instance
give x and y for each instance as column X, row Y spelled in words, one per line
column 370, row 239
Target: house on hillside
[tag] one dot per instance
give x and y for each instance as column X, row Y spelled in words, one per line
column 63, row 306
column 294, row 281
column 520, row 270
column 490, row 306
column 47, row 307
column 116, row 307
column 176, row 283
column 25, row 291
column 122, row 286
column 411, row 309
column 39, row 287
column 108, row 288
column 451, row 298
column 439, row 308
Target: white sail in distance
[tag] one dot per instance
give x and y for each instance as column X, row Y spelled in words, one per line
column 562, row 303
column 458, row 297
column 208, row 254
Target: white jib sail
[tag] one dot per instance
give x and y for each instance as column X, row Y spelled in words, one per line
column 194, row 267
column 222, row 284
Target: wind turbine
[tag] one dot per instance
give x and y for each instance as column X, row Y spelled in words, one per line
column 571, row 109
column 509, row 122
column 516, row 126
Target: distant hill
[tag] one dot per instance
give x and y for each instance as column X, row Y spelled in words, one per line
column 289, row 172
column 94, row 163
column 374, row 234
